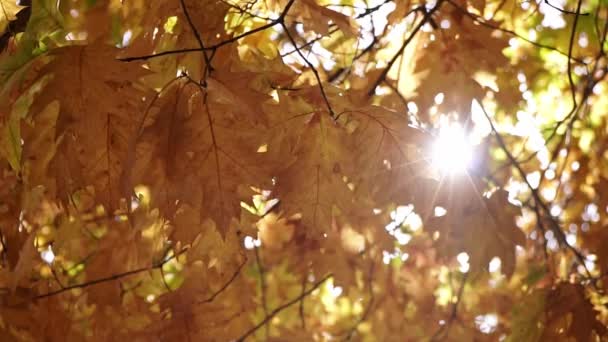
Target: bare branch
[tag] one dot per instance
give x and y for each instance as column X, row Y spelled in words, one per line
column 555, row 227
column 214, row 47
column 262, row 285
column 444, row 329
column 314, row 71
column 427, row 16
column 482, row 22
column 283, row 307
column 112, row 277
column 577, row 13
column 370, row 291
column 226, row 284
column 570, row 46
column 198, row 38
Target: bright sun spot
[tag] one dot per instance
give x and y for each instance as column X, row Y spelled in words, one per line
column 452, row 150
column 47, row 255
column 487, row 323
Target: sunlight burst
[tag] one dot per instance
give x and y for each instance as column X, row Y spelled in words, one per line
column 452, row 151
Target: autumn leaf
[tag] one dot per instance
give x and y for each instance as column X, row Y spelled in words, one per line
column 8, row 13
column 286, row 170
column 448, row 60
column 190, row 139
column 473, row 225
column 570, row 300
column 275, row 231
column 92, row 87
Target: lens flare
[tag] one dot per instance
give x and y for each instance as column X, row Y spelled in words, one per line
column 452, row 151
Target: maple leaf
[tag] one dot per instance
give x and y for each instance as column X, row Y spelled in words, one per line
column 527, row 317
column 41, row 149
column 230, row 176
column 8, row 12
column 315, row 146
column 474, row 225
column 570, row 300
column 275, row 231
column 449, row 63
column 387, row 160
column 197, row 156
column 10, row 190
column 95, row 121
column 318, row 17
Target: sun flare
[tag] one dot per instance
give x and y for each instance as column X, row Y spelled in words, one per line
column 452, row 151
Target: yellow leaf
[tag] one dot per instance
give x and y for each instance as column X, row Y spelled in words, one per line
column 8, row 12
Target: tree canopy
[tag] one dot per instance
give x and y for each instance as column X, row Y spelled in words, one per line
column 303, row 170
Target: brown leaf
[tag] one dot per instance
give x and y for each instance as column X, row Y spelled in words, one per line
column 482, row 227
column 196, row 149
column 570, row 313
column 100, row 106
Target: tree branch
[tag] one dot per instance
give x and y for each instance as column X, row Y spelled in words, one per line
column 570, row 46
column 561, row 237
column 564, row 11
column 197, row 34
column 225, row 286
column 214, row 47
column 407, row 41
column 482, row 22
column 370, row 291
column 262, row 286
column 314, row 71
column 283, row 307
column 112, row 277
column 444, row 329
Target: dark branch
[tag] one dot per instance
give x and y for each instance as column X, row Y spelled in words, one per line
column 226, row 285
column 160, row 54
column 555, row 227
column 314, row 71
column 482, row 22
column 283, row 307
column 262, row 285
column 368, row 309
column 214, row 47
column 112, row 277
column 570, row 46
column 198, row 38
column 444, row 329
column 563, row 10
column 407, row 41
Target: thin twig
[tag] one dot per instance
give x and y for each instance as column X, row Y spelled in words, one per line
column 310, row 42
column 444, row 329
column 564, row 11
column 112, row 277
column 314, row 71
column 483, row 22
column 216, row 46
column 197, row 34
column 555, row 227
column 333, row 27
column 283, row 307
column 226, row 284
column 392, row 61
column 262, row 286
column 301, row 307
column 370, row 291
column 570, row 47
